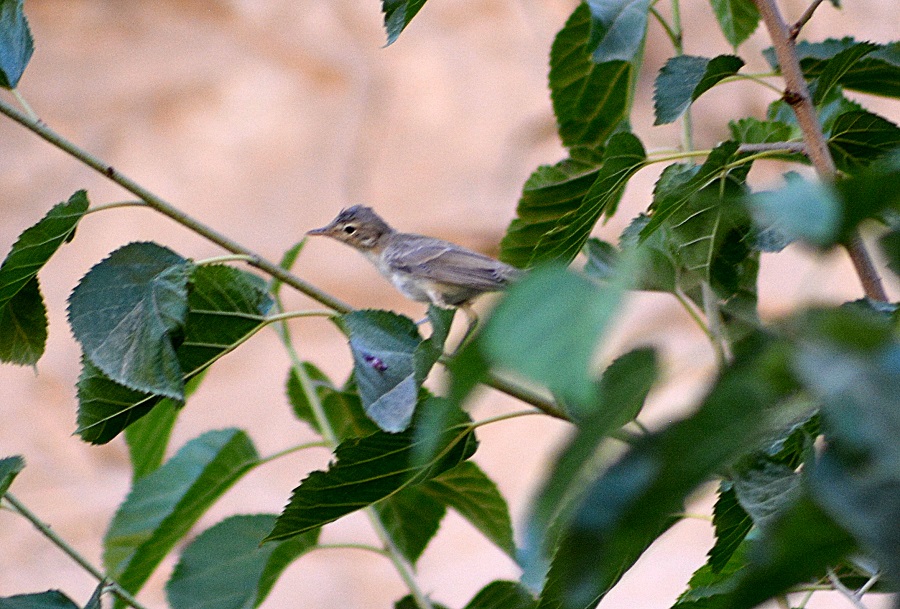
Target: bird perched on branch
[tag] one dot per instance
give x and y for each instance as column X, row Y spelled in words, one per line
column 422, row 268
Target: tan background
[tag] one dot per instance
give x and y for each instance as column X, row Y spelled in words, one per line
column 263, row 118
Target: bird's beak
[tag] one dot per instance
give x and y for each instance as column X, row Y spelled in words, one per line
column 325, row 230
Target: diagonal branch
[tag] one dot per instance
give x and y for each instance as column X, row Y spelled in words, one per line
column 806, row 16
column 797, row 95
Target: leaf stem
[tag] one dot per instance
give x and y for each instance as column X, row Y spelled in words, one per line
column 753, row 78
column 114, row 205
column 291, row 450
column 503, row 417
column 673, row 37
column 63, row 545
column 797, row 96
column 225, row 258
column 25, row 105
column 353, row 546
column 689, row 307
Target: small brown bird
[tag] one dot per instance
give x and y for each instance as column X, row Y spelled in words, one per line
column 424, row 269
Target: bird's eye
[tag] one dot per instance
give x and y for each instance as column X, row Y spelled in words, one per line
column 349, row 229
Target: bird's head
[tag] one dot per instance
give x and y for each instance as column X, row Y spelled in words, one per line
column 357, row 226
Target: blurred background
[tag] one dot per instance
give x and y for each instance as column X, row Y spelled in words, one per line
column 263, row 118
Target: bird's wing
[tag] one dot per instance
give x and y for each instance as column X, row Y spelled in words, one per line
column 447, row 263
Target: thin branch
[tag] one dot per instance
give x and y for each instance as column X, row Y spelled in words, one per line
column 63, row 545
column 806, row 16
column 797, row 95
column 795, row 147
column 167, row 209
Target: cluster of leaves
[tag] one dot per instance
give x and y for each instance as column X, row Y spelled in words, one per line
column 788, row 512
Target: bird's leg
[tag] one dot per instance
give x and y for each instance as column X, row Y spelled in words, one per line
column 473, row 324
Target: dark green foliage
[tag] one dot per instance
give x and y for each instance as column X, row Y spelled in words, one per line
column 635, row 500
column 397, row 15
column 366, row 470
column 685, row 78
column 860, row 66
column 9, row 469
column 590, row 99
column 737, row 19
column 224, row 305
column 52, row 599
column 391, row 360
column 226, row 567
column 164, row 504
column 23, row 317
column 551, row 194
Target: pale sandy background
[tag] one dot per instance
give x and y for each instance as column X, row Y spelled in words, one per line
column 265, row 117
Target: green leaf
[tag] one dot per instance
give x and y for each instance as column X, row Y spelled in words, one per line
column 163, row 505
column 128, row 313
column 622, row 391
column 9, row 469
column 411, row 518
column 754, row 131
column 148, row 438
column 804, row 210
column 366, row 470
column 408, row 602
column 707, row 582
column 95, row 602
column 52, row 599
column 16, row 44
column 551, row 193
column 737, row 19
column 837, row 67
column 227, row 568
column 390, row 362
column 590, row 99
column 877, row 73
column 469, row 491
column 851, row 359
column 502, row 595
column 23, row 320
column 685, row 78
column 858, row 138
column 397, row 15
column 602, row 258
column 618, row 28
column 531, row 331
column 343, row 409
column 795, row 548
column 679, row 183
column 635, row 500
column 225, row 305
column 23, row 326
column 732, row 524
column 658, row 270
column 624, row 157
